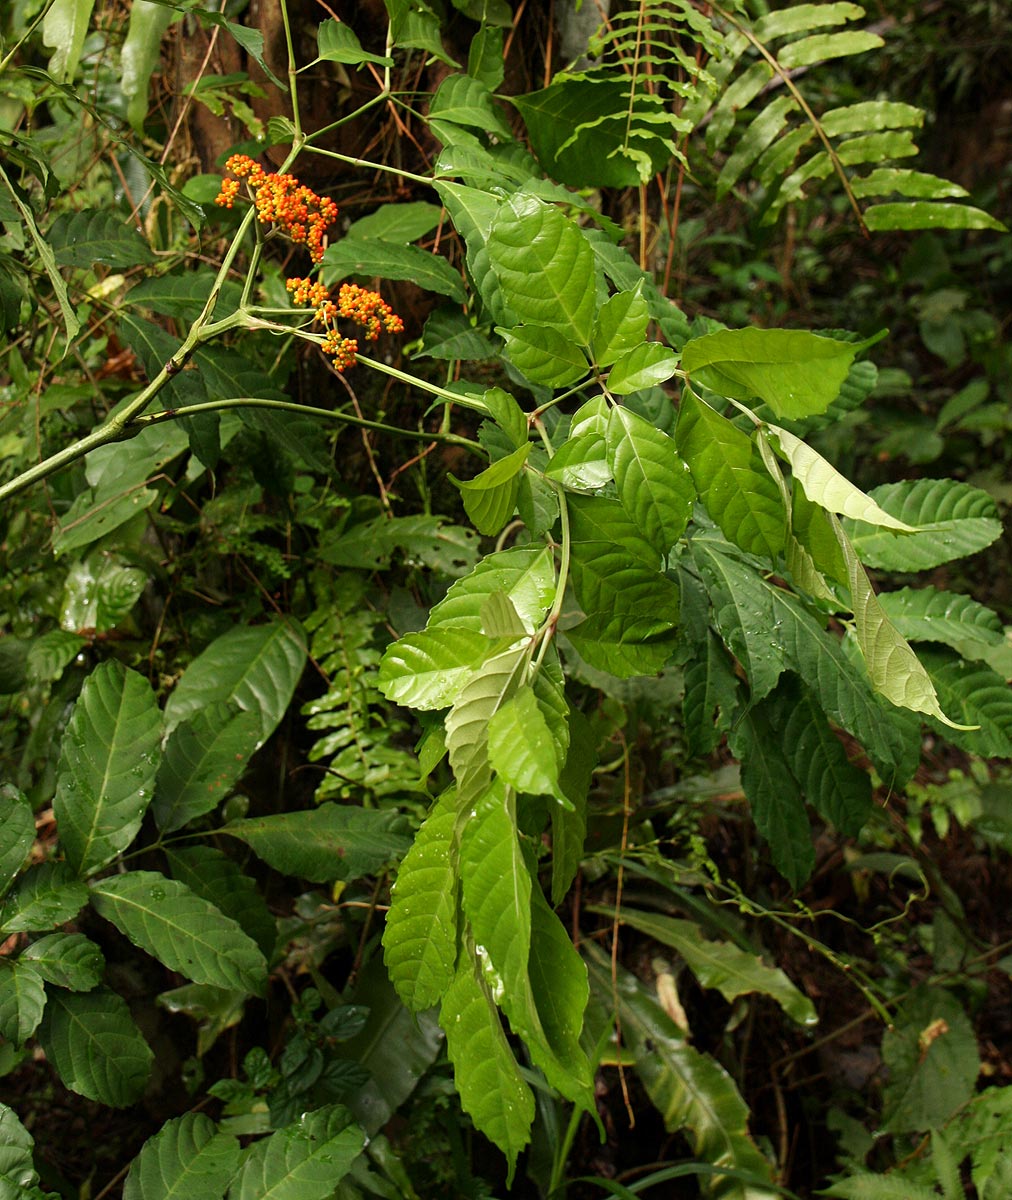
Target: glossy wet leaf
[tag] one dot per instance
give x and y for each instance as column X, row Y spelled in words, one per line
column 22, row 999
column 17, row 832
column 69, row 960
column 187, row 1159
column 303, row 1161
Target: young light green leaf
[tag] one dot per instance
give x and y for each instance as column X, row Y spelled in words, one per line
column 210, row 874
column 490, row 498
column 64, row 29
column 825, row 486
column 642, row 367
column 486, row 1075
column 187, row 1159
column 926, row 214
column 22, row 999
column 203, row 757
column 254, row 667
column 46, row 895
column 544, row 355
column 722, row 965
column 183, row 931
column 324, row 843
column 620, row 326
column 797, row 373
column 95, row 1047
column 545, row 266
column 17, row 832
column 420, row 939
column 109, row 758
column 521, row 747
column 499, row 619
column 953, row 519
column 524, row 574
column 302, row 1161
column 337, row 42
column 730, row 478
column 464, row 100
column 654, row 484
column 427, row 670
column 580, row 463
column 69, row 960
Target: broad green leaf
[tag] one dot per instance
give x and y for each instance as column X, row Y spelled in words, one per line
column 69, row 960
column 90, row 236
column 213, row 1009
column 926, row 214
column 711, row 695
column 569, row 821
column 774, row 795
column 722, row 965
column 654, row 484
column 490, row 498
column 400, row 223
column 17, row 832
column 953, row 519
column 99, row 592
column 491, row 1088
column 544, row 355
column 337, row 42
column 521, row 747
column 449, row 549
column 545, row 266
column 730, row 477
column 795, row 372
column 620, row 326
column 420, row 939
column 302, row 1161
column 18, row 1176
column 139, row 56
column 64, row 29
column 464, row 100
column 500, row 619
column 184, row 932
column 210, row 874
column 203, row 757
column 691, row 1091
column 187, row 1159
column 22, row 999
column 524, row 574
column 895, row 670
column 326, row 843
column 931, row 1055
column 642, row 367
column 507, row 414
column 485, row 57
column 254, row 667
column 980, row 697
column 109, row 758
column 45, row 896
column 450, row 334
column 581, row 463
column 95, row 1047
column 825, row 486
column 96, row 513
column 926, row 614
column 427, row 670
column 375, row 258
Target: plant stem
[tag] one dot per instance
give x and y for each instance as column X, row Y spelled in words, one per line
column 433, row 389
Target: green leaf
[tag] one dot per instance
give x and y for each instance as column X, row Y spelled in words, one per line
column 524, row 574
column 544, row 355
column 90, row 236
column 139, row 56
column 490, row 498
column 931, row 1055
column 953, row 519
column 711, row 696
column 69, row 960
column 654, row 484
column 109, row 757
column 825, row 486
column 184, row 932
column 452, row 335
column 879, row 1187
column 253, row 667
column 487, row 1078
column 821, row 47
column 978, row 696
column 326, row 843
column 691, row 1091
column 795, row 372
column 45, row 896
column 507, row 414
column 210, row 874
column 774, row 796
column 420, row 939
column 400, row 223
column 926, row 214
column 18, row 1176
column 429, row 540
column 302, row 1161
column 22, row 999
column 380, row 259
column 187, row 1159
column 926, row 614
column 620, row 326
column 546, row 267
column 581, row 463
column 17, row 832
column 99, row 593
column 730, row 477
column 203, row 757
column 337, row 42
column 642, row 367
column 427, row 670
column 64, row 29
column 464, row 100
column 521, row 747
column 722, row 965
column 95, row 1047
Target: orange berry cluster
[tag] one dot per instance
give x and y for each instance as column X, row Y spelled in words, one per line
column 282, row 201
column 354, row 303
